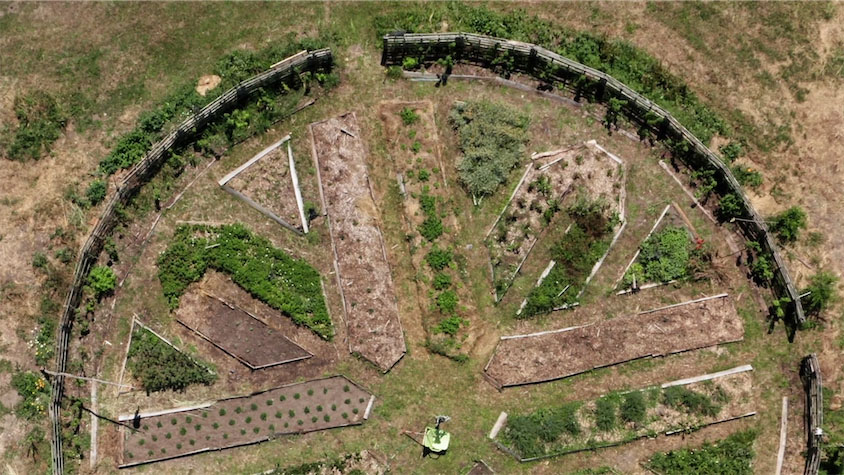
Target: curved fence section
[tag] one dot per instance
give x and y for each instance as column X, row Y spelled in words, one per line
column 283, row 71
column 551, row 68
column 810, row 374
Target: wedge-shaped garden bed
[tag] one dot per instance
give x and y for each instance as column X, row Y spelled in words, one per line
column 268, row 182
column 621, row 417
column 268, row 273
column 363, row 273
column 243, row 420
column 552, row 182
column 237, row 332
column 671, row 251
column 555, row 354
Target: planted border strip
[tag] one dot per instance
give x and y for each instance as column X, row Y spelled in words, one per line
column 556, row 354
column 548, row 66
column 139, row 174
column 624, row 416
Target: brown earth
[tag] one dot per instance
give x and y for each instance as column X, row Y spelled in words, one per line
column 248, row 339
column 559, row 354
column 372, row 319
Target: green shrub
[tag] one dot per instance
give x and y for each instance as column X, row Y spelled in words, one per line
column 730, row 207
column 96, row 191
column 268, row 273
column 633, row 407
column 102, row 280
column 492, row 138
column 160, row 367
column 423, row 174
column 394, row 72
column 410, row 63
column 39, row 260
column 731, row 151
column 449, row 326
column 40, row 123
column 787, row 225
column 447, row 302
column 431, row 228
column 747, row 176
column 442, row 281
column 821, row 291
column 438, row 258
column 409, row 116
column 605, row 409
column 762, row 268
column 34, row 391
column 731, row 456
column 680, row 397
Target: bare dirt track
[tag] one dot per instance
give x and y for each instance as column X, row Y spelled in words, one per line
column 372, row 319
column 558, row 354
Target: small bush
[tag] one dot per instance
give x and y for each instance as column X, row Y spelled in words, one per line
column 282, row 398
column 409, row 116
column 248, row 419
column 231, row 422
column 326, row 418
column 605, row 408
column 789, row 223
column 449, row 326
column 256, row 430
column 184, row 431
column 733, row 455
column 102, row 280
column 680, row 397
column 730, row 207
column 633, row 407
column 307, row 410
column 410, row 63
column 431, row 228
column 291, row 413
column 96, row 192
column 438, row 259
column 296, row 396
column 447, row 302
column 747, row 176
column 161, row 367
column 821, row 291
column 355, row 410
column 394, row 72
column 310, row 392
column 188, row 419
column 215, row 425
column 222, row 412
column 442, row 281
column 269, row 402
column 345, row 415
column 253, row 406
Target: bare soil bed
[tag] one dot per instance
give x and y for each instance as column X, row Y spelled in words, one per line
column 551, row 180
column 369, row 298
column 546, row 356
column 269, row 183
column 238, row 333
column 243, row 420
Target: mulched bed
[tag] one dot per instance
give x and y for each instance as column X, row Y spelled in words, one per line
column 369, row 298
column 547, row 356
column 233, row 330
column 243, row 420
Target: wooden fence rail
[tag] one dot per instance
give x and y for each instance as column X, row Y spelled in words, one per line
column 281, row 72
column 810, row 374
column 551, row 68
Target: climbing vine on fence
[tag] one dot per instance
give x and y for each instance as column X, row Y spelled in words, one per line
column 268, row 273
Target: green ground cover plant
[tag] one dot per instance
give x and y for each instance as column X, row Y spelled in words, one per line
column 575, row 254
column 268, row 273
column 663, row 257
column 40, row 123
column 492, row 139
column 161, row 367
column 733, row 456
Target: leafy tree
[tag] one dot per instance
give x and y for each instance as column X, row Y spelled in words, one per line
column 821, row 291
column 788, row 224
column 102, row 280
